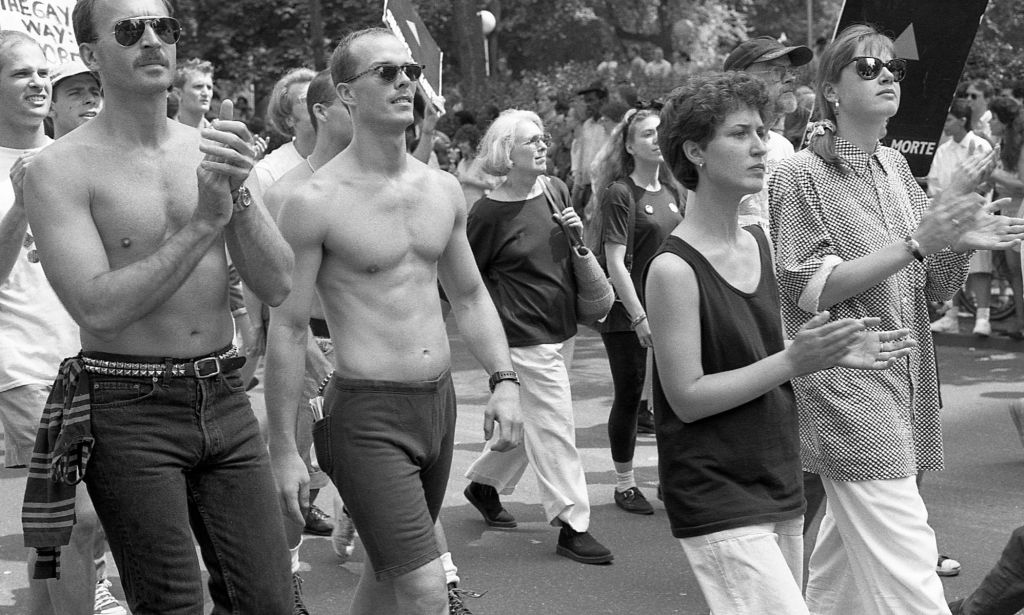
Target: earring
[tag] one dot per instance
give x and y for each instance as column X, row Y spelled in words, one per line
column 700, row 164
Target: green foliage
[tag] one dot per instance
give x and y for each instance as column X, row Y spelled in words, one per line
column 996, row 53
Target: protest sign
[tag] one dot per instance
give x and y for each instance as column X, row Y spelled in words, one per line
column 49, row 22
column 936, row 36
column 402, row 19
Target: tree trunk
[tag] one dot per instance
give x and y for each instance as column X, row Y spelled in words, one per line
column 316, row 34
column 470, row 46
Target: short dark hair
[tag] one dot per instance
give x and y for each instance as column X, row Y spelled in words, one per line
column 984, row 86
column 321, row 90
column 961, row 109
column 85, row 27
column 343, row 63
column 697, row 108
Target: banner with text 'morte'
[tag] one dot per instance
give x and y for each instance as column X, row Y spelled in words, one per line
column 936, row 36
column 47, row 21
column 402, row 19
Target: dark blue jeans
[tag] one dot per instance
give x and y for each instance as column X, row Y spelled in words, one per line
column 177, row 457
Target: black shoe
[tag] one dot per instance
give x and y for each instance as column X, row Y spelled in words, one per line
column 297, row 607
column 582, row 547
column 455, row 595
column 318, row 522
column 485, row 499
column 645, row 419
column 633, row 501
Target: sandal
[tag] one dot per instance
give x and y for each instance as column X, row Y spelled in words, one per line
column 947, row 567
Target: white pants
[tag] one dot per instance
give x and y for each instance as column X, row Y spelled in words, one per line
column 875, row 553
column 549, row 434
column 750, row 570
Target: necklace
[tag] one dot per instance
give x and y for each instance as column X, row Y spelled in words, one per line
column 311, row 167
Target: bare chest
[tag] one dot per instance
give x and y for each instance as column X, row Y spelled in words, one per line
column 137, row 205
column 378, row 232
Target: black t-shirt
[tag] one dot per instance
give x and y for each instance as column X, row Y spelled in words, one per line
column 741, row 466
column 657, row 213
column 524, row 258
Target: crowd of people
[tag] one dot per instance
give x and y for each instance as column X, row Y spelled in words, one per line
column 206, row 334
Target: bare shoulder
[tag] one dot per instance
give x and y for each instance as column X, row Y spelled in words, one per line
column 667, row 267
column 437, row 184
column 281, row 190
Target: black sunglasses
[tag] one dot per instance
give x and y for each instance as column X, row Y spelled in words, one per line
column 869, row 68
column 389, row 72
column 127, row 32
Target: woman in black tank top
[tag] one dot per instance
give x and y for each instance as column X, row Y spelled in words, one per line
column 726, row 420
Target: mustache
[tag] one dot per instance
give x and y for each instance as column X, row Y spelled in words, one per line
column 151, row 57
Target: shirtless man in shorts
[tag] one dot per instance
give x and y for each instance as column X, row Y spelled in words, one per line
column 373, row 230
column 132, row 213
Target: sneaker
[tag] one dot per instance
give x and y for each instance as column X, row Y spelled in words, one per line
column 582, row 547
column 456, row 606
column 343, row 537
column 106, row 603
column 298, row 608
column 632, row 500
column 982, row 327
column 947, row 567
column 946, row 324
column 645, row 419
column 318, row 522
column 485, row 499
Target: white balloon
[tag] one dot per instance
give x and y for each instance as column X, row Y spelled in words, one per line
column 487, row 21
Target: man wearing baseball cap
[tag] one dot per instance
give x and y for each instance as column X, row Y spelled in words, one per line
column 589, row 138
column 77, row 97
column 772, row 62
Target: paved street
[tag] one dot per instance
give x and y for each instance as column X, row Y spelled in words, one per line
column 974, row 504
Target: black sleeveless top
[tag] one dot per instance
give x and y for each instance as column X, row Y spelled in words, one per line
column 742, row 466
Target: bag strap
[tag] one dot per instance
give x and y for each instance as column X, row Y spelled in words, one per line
column 574, row 242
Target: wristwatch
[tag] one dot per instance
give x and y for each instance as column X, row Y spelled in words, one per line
column 497, row 377
column 242, row 199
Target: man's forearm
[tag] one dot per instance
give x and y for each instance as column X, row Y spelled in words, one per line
column 284, row 373
column 108, row 303
column 260, row 254
column 13, row 227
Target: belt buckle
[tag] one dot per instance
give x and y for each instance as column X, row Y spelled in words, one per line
column 200, row 365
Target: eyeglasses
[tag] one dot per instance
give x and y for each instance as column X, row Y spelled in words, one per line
column 780, row 72
column 389, row 72
column 127, row 32
column 538, row 140
column 869, row 68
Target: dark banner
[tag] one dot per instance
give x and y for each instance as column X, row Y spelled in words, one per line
column 402, row 19
column 936, row 36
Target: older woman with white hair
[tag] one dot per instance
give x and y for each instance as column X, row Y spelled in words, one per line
column 523, row 253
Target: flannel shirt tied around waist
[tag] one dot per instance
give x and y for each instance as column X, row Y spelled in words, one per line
column 61, row 452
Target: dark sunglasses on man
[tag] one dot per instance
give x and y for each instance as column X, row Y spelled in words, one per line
column 389, row 72
column 869, row 68
column 127, row 32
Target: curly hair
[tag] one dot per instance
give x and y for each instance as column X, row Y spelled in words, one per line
column 697, row 108
column 1009, row 112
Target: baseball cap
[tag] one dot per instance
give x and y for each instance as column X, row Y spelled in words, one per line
column 762, row 49
column 595, row 86
column 70, row 69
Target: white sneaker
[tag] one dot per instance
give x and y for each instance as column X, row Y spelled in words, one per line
column 344, row 534
column 106, row 604
column 946, row 324
column 982, row 327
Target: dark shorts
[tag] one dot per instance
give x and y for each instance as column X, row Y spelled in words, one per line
column 388, row 448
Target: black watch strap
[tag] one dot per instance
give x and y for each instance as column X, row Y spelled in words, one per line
column 498, row 376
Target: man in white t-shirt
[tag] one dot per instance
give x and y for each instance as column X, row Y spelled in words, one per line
column 772, row 62
column 36, row 332
column 286, row 115
column 950, row 156
column 979, row 94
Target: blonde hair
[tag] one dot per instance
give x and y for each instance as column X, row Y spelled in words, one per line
column 496, row 144
column 834, row 59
